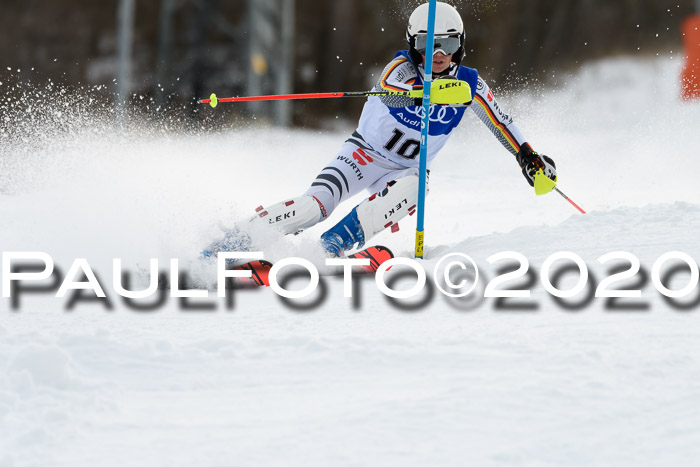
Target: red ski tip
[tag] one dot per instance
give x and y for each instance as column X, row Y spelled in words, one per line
column 260, row 273
column 377, row 255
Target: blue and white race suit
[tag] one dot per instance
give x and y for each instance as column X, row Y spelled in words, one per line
column 386, row 144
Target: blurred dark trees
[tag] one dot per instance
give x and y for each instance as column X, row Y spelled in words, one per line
column 339, row 44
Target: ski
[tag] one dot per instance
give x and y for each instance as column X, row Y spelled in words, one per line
column 260, row 273
column 376, row 256
column 261, row 268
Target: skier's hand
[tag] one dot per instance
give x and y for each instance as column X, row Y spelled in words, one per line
column 530, row 162
column 448, row 90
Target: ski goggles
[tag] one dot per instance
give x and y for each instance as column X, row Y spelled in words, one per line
column 445, row 44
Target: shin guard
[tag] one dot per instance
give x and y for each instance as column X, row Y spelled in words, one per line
column 292, row 216
column 386, row 208
column 379, row 211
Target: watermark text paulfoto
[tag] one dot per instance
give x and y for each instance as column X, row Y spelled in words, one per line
column 455, row 276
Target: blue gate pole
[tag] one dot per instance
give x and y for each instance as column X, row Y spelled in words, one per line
column 423, row 166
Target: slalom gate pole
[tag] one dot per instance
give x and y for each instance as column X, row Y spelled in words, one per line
column 214, row 101
column 423, row 164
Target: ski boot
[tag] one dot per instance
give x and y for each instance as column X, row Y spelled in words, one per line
column 344, row 235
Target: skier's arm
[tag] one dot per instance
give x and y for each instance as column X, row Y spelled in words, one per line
column 500, row 124
column 510, row 135
column 398, row 75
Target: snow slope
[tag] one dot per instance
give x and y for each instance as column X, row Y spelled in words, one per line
column 367, row 380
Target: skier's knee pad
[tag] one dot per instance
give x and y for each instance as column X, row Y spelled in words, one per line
column 389, row 206
column 291, row 216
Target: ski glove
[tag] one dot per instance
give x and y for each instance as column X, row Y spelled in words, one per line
column 447, row 90
column 531, row 162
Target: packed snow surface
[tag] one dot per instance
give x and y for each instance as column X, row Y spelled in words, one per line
column 368, row 380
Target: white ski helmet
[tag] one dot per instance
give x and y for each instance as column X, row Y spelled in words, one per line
column 449, row 32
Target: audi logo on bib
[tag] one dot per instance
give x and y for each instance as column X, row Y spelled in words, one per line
column 445, row 115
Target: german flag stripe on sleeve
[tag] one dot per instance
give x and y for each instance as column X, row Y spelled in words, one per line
column 383, row 82
column 502, row 128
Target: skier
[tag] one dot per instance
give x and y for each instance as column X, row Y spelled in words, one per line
column 381, row 155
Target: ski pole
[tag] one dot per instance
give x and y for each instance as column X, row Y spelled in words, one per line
column 569, row 200
column 544, row 184
column 214, row 101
